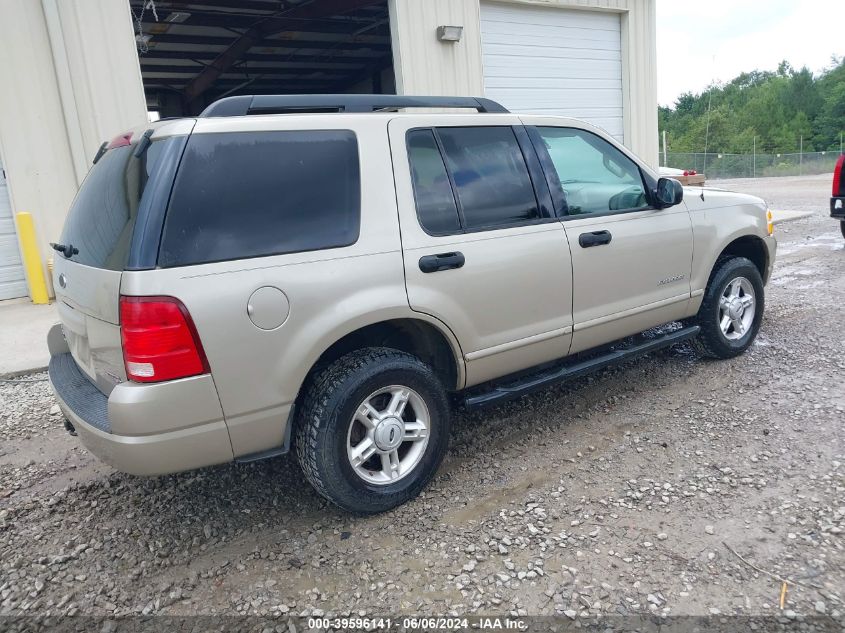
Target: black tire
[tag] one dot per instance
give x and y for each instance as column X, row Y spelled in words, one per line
column 328, row 409
column 711, row 341
column 842, row 228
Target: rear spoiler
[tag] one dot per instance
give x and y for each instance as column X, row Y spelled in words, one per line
column 122, row 140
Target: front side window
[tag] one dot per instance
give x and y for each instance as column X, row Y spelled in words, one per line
column 595, row 176
column 251, row 194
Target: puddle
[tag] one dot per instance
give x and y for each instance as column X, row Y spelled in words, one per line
column 797, row 282
column 829, row 241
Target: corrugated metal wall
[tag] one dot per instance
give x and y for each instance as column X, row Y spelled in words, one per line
column 423, row 65
column 70, row 79
column 639, row 78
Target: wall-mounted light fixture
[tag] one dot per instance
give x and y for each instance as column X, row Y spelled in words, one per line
column 449, row 33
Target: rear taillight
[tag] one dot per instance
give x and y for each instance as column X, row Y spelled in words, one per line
column 159, row 339
column 837, row 176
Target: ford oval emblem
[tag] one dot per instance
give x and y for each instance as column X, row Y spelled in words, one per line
column 63, row 280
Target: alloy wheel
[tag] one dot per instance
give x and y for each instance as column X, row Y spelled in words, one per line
column 737, row 307
column 388, row 435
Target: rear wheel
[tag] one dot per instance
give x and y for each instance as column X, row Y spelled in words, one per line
column 842, row 228
column 373, row 430
column 732, row 309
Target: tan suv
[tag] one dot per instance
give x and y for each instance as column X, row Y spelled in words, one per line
column 329, row 274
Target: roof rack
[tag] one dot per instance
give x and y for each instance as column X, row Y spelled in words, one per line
column 291, row 104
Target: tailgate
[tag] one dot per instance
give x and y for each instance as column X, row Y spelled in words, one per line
column 87, row 302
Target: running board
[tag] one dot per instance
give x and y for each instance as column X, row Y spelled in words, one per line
column 531, row 383
column 257, row 457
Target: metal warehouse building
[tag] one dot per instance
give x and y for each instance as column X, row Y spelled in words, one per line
column 76, row 72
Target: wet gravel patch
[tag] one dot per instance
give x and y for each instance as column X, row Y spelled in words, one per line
column 27, row 407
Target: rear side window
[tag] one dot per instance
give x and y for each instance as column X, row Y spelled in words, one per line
column 490, row 175
column 436, row 208
column 102, row 217
column 250, row 194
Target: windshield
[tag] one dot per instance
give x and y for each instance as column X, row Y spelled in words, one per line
column 101, row 219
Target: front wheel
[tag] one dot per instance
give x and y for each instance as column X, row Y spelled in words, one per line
column 732, row 309
column 373, row 429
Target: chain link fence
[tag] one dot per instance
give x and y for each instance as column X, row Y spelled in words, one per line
column 715, row 166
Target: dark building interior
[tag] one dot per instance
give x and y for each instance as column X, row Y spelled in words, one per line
column 192, row 53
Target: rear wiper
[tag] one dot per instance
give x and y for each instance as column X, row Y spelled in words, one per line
column 100, row 152
column 67, row 250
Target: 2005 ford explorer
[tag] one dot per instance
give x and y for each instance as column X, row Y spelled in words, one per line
column 332, row 275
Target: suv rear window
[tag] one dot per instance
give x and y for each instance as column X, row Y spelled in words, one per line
column 102, row 217
column 250, row 194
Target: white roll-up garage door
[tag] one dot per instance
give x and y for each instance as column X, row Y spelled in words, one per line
column 12, row 280
column 554, row 61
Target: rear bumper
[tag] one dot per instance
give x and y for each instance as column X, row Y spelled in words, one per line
column 837, row 208
column 182, row 431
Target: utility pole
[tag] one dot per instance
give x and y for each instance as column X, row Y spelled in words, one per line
column 665, row 161
column 754, row 163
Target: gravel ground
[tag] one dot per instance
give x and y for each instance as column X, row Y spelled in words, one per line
column 669, row 486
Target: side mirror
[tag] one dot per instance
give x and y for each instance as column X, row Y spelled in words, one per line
column 668, row 193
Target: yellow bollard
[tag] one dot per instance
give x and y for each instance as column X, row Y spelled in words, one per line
column 31, row 258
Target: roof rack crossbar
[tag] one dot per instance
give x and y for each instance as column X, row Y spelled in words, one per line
column 289, row 104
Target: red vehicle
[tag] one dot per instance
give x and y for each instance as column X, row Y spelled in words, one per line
column 837, row 199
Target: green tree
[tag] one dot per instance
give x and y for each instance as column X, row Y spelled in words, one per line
column 777, row 108
column 831, row 120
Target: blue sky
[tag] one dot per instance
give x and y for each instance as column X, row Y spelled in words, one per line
column 699, row 41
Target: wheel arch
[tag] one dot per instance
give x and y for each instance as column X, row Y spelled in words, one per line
column 431, row 342
column 739, row 244
column 751, row 247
